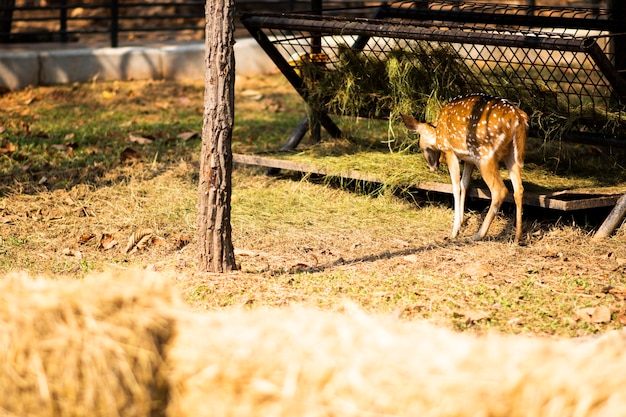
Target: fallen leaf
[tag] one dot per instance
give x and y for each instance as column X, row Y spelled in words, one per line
column 86, row 237
column 59, row 147
column 413, row 258
column 601, row 315
column 163, row 105
column 472, row 316
column 139, row 240
column 618, row 292
column 106, row 241
column 180, row 241
column 515, row 321
column 185, row 136
column 140, row 139
column 273, row 106
column 158, row 241
column 477, row 270
column 300, row 267
column 401, row 243
column 593, row 315
column 108, row 94
column 252, row 95
column 130, row 154
column 68, row 252
column 8, row 147
column 621, row 317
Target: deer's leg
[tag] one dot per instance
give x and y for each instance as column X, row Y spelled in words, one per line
column 515, row 172
column 455, row 176
column 466, row 178
column 489, row 172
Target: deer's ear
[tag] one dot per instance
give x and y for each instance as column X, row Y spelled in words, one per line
column 410, row 123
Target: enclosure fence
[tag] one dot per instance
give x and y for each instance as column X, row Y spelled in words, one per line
column 115, row 21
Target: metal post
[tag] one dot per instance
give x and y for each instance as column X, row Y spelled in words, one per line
column 63, row 20
column 115, row 22
column 617, row 10
column 316, row 48
column 531, row 7
column 6, row 19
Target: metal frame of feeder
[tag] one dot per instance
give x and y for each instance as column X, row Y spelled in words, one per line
column 476, row 27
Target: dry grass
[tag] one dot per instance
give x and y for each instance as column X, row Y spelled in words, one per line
column 296, row 241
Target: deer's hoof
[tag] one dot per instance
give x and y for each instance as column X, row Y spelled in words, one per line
column 477, row 237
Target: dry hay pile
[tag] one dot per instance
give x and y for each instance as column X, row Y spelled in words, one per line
column 94, row 348
column 306, row 363
column 126, row 348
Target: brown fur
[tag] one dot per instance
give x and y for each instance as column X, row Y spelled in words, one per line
column 481, row 131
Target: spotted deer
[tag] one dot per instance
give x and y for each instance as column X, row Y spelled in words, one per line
column 481, row 131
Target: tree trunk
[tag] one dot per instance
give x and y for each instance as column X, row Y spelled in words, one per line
column 215, row 185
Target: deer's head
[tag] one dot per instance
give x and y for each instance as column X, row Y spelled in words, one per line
column 428, row 140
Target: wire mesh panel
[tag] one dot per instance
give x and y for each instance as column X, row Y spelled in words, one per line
column 414, row 56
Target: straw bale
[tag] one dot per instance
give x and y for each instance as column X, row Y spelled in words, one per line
column 307, row 363
column 84, row 348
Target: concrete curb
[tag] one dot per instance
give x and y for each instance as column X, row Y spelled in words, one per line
column 22, row 68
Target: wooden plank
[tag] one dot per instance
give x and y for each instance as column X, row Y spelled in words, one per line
column 560, row 200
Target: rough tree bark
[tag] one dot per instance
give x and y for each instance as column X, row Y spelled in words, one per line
column 215, row 185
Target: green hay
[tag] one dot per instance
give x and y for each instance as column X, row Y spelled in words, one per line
column 421, row 80
column 580, row 169
column 365, row 85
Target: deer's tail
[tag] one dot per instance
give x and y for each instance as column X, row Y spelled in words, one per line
column 520, row 134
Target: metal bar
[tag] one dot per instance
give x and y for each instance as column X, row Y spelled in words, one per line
column 361, row 41
column 63, row 20
column 618, row 42
column 115, row 23
column 6, row 19
column 615, row 79
column 381, row 28
column 589, row 138
column 316, row 48
column 296, row 137
column 523, row 20
column 290, row 74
